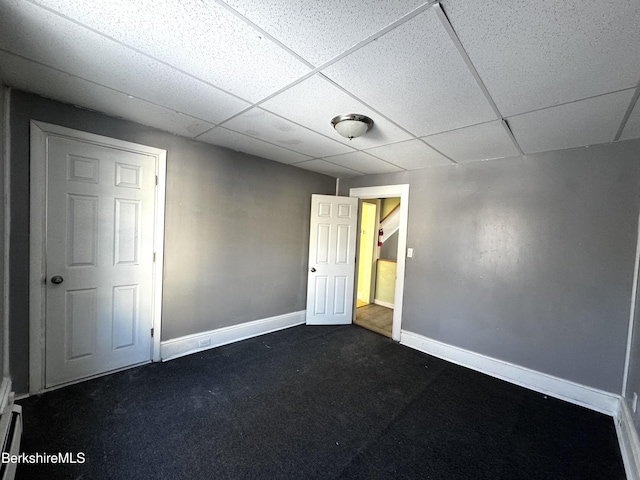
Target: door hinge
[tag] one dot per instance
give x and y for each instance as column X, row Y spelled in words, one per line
column 156, row 179
column 154, row 256
column 152, row 333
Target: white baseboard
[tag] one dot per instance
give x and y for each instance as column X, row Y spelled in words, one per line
column 382, row 303
column 178, row 347
column 592, row 398
column 628, row 440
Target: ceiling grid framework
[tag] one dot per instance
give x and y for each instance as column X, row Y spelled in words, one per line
column 628, row 113
column 472, row 69
column 446, row 82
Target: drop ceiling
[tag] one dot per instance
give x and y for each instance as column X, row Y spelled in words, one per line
column 449, row 82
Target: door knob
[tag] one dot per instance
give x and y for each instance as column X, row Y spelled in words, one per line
column 313, row 269
column 57, row 279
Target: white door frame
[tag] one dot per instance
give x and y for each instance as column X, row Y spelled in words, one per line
column 40, row 131
column 387, row 191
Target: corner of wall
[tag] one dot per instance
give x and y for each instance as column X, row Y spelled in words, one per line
column 604, row 402
column 625, row 424
column 632, row 317
column 5, row 217
column 572, row 392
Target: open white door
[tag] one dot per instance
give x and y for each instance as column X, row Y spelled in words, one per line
column 332, row 258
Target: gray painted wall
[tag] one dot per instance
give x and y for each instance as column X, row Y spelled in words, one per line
column 3, row 96
column 527, row 260
column 236, row 230
column 389, row 249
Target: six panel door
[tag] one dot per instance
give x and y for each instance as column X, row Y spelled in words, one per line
column 99, row 251
column 332, row 245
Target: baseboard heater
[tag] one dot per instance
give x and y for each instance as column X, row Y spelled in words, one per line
column 10, row 434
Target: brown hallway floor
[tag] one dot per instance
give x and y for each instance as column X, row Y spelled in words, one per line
column 376, row 318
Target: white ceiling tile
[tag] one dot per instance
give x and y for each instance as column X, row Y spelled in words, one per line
column 73, row 49
column 29, row 76
column 410, row 155
column 243, row 143
column 534, row 54
column 632, row 128
column 319, row 31
column 139, row 61
column 587, row 122
column 478, row 142
column 322, row 166
column 416, row 76
column 314, row 102
column 363, row 162
column 266, row 126
column 203, row 39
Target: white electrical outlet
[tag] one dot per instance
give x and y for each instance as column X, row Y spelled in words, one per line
column 409, row 252
column 204, row 342
column 634, row 404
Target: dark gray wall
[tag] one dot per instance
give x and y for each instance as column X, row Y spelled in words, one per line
column 237, row 240
column 528, row 260
column 236, row 227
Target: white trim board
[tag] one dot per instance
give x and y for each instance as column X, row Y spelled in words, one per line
column 632, row 314
column 197, row 342
column 40, row 132
column 382, row 303
column 628, row 441
column 592, row 398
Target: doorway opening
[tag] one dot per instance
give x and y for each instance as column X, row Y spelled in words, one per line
column 381, row 257
column 377, row 261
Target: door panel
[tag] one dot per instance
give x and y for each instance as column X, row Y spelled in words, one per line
column 81, row 318
column 340, row 291
column 332, row 245
column 125, row 316
column 127, row 228
column 343, row 246
column 82, row 230
column 320, row 303
column 322, row 251
column 99, row 240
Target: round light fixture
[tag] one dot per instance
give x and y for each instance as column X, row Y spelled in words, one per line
column 351, row 125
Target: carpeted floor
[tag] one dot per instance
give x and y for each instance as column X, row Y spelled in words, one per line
column 314, row 402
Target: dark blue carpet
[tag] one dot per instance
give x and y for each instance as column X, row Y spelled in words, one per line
column 314, row 402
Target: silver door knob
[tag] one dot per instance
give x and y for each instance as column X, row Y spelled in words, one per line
column 313, row 269
column 57, row 279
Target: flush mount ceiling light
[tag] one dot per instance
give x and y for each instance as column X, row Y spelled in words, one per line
column 351, row 125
